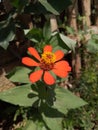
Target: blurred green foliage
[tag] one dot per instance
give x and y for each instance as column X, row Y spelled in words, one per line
column 86, row 118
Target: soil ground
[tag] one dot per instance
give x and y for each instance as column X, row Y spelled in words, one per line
column 4, row 82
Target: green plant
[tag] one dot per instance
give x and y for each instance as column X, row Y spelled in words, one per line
column 42, row 106
column 85, row 118
column 47, row 102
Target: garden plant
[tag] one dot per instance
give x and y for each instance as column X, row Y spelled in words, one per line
column 56, row 80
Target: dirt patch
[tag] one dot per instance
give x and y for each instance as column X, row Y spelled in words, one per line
column 4, row 82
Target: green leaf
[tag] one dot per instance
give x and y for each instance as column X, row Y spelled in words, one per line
column 92, row 45
column 52, row 117
column 53, row 123
column 47, row 32
column 34, row 125
column 66, row 100
column 48, row 6
column 7, row 34
column 34, row 120
column 70, row 30
column 19, row 74
column 57, row 43
column 60, row 41
column 15, row 3
column 54, row 6
column 95, row 36
column 30, row 125
column 68, row 42
column 59, row 5
column 36, row 8
column 21, row 95
column 35, row 35
column 19, row 4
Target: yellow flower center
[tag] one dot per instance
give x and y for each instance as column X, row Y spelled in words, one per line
column 47, row 61
column 48, row 57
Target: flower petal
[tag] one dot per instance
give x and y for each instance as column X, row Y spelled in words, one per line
column 61, row 68
column 59, row 55
column 35, row 76
column 34, row 52
column 48, row 48
column 48, row 78
column 29, row 62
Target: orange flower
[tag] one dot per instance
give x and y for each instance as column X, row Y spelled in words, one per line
column 48, row 62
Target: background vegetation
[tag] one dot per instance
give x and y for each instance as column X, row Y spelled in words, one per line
column 70, row 25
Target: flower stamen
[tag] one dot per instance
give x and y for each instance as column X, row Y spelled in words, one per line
column 48, row 57
column 47, row 61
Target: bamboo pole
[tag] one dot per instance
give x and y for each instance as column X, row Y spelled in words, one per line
column 86, row 10
column 77, row 61
column 96, row 12
column 73, row 12
column 53, row 23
